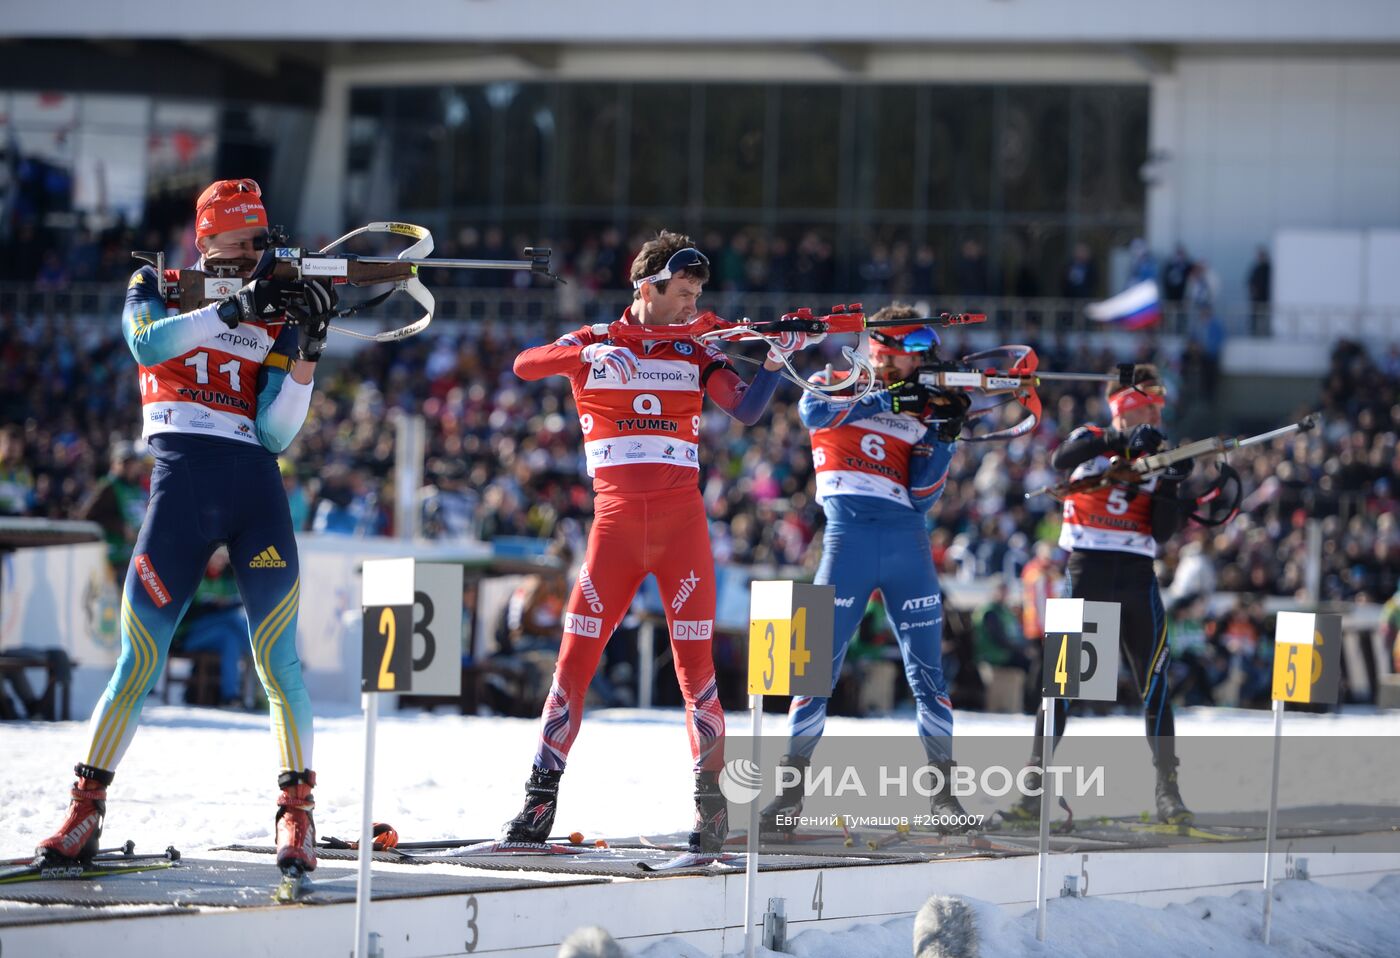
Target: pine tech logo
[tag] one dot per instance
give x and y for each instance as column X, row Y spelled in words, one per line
column 268, row 559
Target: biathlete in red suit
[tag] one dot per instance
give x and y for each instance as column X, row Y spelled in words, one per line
column 640, row 415
column 1112, row 535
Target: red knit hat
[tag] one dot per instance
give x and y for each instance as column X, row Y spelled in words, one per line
column 229, row 205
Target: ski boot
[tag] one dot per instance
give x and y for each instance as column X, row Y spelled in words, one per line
column 76, row 839
column 535, row 820
column 1025, row 812
column 788, row 804
column 296, row 830
column 1170, row 808
column 949, row 816
column 711, row 815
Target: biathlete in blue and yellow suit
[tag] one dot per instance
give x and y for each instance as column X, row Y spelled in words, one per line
column 881, row 464
column 224, row 389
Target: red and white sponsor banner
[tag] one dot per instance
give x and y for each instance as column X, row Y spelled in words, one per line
column 651, row 419
column 869, row 457
column 1112, row 518
column 209, row 390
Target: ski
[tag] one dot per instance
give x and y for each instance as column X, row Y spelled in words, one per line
column 444, row 844
column 498, row 847
column 295, row 883
column 125, row 850
column 1187, row 831
column 724, row 861
column 41, row 869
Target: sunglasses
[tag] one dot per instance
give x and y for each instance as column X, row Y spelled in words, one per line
column 681, row 259
column 920, row 340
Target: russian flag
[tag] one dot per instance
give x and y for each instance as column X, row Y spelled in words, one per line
column 1137, row 307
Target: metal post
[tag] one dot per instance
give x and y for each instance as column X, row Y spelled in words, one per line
column 409, row 444
column 751, row 919
column 1312, row 569
column 362, row 888
column 646, row 662
column 775, row 925
column 1047, row 705
column 1273, row 824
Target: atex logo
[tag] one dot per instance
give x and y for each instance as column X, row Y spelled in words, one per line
column 922, row 602
column 740, row 781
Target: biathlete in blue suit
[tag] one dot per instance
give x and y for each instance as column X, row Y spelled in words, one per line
column 224, row 389
column 881, row 464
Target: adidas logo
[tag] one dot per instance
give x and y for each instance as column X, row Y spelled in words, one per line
column 268, row 559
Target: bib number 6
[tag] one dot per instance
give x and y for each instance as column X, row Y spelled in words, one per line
column 872, row 446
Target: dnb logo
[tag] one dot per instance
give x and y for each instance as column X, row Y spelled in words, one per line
column 587, row 626
column 740, row 781
column 697, row 629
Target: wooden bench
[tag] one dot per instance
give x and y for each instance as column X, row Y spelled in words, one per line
column 54, row 704
column 201, row 678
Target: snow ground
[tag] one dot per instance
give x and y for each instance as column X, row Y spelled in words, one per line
column 199, row 778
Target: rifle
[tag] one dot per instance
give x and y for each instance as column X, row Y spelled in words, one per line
column 1137, row 471
column 710, row 329
column 194, row 288
column 1017, row 383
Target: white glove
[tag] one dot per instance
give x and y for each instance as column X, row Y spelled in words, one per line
column 786, row 343
column 619, row 359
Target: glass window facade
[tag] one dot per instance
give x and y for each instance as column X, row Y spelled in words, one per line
column 996, row 183
column 87, row 177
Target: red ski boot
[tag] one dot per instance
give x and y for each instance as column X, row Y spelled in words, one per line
column 76, row 839
column 296, row 831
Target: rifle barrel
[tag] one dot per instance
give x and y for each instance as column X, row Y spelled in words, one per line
column 452, row 263
column 1302, row 425
column 1078, row 377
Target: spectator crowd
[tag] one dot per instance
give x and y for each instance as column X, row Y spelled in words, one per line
column 749, row 260
column 503, row 459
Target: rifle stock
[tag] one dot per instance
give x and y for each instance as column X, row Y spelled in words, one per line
column 1140, row 470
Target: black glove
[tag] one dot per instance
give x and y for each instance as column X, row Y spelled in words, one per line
column 1179, row 471
column 909, row 397
column 260, row 299
column 312, row 311
column 1145, row 440
column 952, row 408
